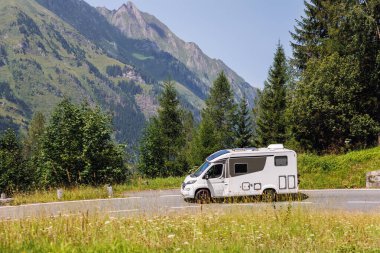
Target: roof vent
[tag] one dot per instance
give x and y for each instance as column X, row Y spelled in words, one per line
column 276, row 146
column 244, row 149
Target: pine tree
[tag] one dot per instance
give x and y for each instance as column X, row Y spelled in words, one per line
column 205, row 141
column 216, row 130
column 188, row 125
column 151, row 159
column 169, row 118
column 243, row 132
column 310, row 31
column 220, row 108
column 271, row 105
column 189, row 134
column 163, row 143
column 33, row 141
column 32, row 148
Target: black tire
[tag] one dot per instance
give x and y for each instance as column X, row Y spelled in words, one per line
column 203, row 196
column 269, row 195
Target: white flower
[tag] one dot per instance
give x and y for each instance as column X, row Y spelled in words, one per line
column 171, row 236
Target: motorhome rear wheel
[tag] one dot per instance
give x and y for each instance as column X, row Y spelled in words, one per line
column 269, row 195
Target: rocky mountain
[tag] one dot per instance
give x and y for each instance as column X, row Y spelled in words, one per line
column 43, row 60
column 139, row 25
column 50, row 49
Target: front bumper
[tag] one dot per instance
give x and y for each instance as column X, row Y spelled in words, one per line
column 187, row 191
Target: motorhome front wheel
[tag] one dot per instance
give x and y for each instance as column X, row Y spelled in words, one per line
column 203, row 196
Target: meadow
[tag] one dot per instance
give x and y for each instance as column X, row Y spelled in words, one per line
column 290, row 229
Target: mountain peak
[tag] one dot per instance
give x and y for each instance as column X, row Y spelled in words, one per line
column 129, row 6
column 130, row 10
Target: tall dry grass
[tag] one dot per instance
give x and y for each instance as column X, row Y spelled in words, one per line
column 235, row 230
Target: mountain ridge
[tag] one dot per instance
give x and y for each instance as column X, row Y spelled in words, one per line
column 47, row 60
column 140, row 25
column 51, row 49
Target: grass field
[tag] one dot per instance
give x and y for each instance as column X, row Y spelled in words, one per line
column 269, row 230
column 337, row 171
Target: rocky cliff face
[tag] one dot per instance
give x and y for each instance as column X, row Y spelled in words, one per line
column 139, row 25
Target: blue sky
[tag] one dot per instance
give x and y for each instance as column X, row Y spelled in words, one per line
column 242, row 33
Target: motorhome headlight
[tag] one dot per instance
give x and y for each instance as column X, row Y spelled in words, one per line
column 191, row 182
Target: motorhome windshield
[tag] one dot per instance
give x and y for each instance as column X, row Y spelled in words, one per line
column 200, row 169
column 217, row 154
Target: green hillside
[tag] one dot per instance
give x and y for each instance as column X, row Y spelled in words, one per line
column 187, row 65
column 337, row 171
column 43, row 60
column 143, row 54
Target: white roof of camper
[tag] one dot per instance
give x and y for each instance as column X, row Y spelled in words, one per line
column 237, row 152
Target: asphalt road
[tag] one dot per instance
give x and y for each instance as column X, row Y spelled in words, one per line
column 166, row 201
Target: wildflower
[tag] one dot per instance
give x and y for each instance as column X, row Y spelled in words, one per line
column 171, row 236
column 107, row 222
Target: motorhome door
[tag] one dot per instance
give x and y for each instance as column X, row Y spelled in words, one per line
column 215, row 180
column 245, row 175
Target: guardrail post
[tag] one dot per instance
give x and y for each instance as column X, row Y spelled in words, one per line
column 59, row 194
column 109, row 191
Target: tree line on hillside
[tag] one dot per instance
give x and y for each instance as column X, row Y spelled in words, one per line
column 171, row 143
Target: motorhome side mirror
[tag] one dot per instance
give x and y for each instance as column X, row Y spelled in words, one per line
column 206, row 177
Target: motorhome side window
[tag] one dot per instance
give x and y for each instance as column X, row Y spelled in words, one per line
column 215, row 171
column 281, row 160
column 245, row 165
column 241, row 168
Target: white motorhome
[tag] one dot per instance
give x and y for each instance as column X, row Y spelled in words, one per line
column 244, row 172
